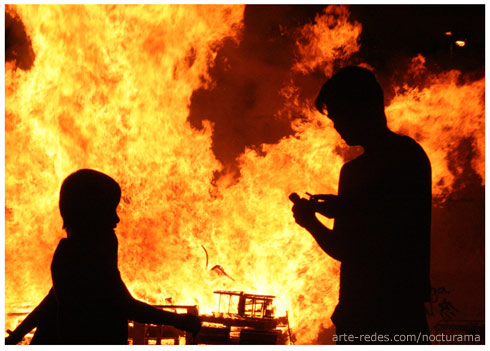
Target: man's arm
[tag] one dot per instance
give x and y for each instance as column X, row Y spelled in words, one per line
column 327, row 239
column 326, row 204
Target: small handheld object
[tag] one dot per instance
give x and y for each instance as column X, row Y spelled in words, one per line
column 295, row 197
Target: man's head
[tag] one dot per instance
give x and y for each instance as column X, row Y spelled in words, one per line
column 353, row 100
column 88, row 200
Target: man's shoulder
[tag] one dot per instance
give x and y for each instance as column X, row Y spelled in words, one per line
column 63, row 245
column 406, row 141
column 353, row 166
column 409, row 147
column 400, row 149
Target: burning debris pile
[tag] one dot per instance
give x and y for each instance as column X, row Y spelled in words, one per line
column 245, row 319
column 113, row 91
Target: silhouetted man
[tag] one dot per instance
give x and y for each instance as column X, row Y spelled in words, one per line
column 381, row 232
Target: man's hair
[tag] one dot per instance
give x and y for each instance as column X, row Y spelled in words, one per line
column 86, row 198
column 355, row 87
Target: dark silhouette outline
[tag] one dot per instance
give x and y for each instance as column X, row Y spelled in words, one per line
column 381, row 232
column 89, row 303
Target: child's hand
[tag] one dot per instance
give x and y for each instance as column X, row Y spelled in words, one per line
column 14, row 338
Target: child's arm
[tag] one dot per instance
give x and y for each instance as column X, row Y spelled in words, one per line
column 141, row 312
column 32, row 320
column 144, row 313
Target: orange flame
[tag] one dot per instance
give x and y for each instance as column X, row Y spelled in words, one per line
column 440, row 114
column 331, row 37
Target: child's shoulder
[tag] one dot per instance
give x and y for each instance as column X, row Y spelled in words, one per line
column 65, row 248
column 63, row 243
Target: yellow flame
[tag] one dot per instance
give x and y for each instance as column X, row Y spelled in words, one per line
column 332, row 36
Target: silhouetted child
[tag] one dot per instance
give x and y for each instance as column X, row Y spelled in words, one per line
column 93, row 303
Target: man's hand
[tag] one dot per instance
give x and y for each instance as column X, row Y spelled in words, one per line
column 188, row 322
column 327, row 205
column 303, row 211
column 304, row 214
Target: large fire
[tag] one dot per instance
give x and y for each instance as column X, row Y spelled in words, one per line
column 110, row 89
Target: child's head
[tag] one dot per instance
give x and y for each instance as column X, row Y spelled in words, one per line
column 88, row 200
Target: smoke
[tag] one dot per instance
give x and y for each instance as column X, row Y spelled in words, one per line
column 18, row 46
column 393, row 35
column 246, row 99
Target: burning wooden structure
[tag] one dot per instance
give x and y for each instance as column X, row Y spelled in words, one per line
column 149, row 334
column 244, row 318
column 241, row 318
